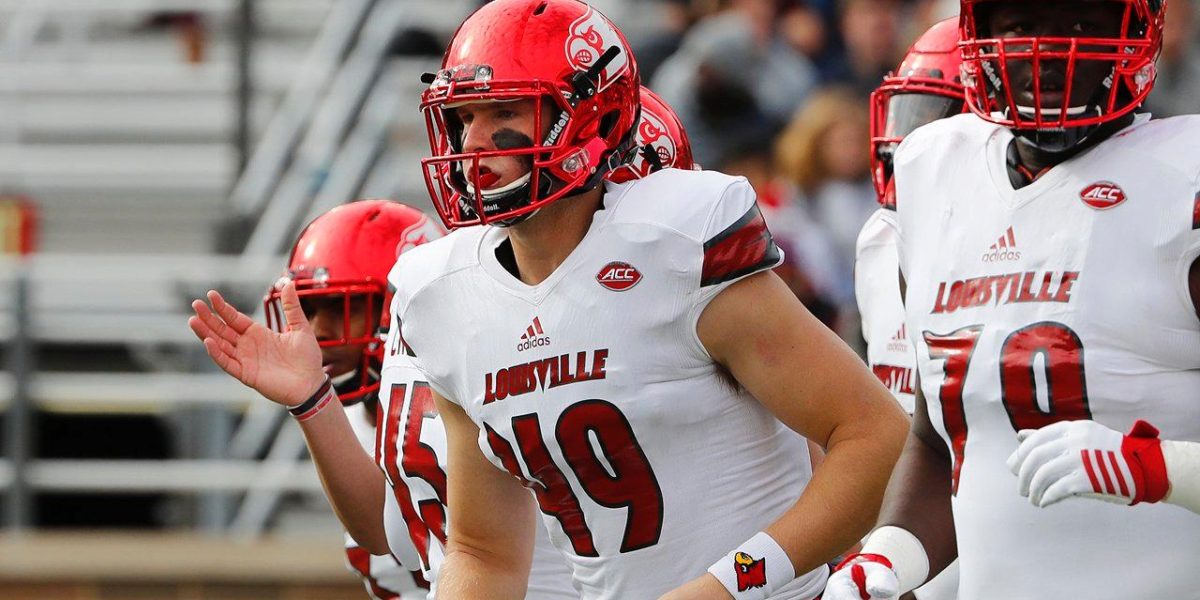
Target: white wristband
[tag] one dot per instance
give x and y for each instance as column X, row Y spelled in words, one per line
column 907, row 553
column 754, row 569
column 1182, row 460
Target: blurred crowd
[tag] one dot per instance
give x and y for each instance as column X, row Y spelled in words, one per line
column 776, row 90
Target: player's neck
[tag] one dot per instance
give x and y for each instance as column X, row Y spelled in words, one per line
column 1027, row 162
column 540, row 244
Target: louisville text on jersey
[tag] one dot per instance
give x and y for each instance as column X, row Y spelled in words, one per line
column 544, row 374
column 1010, row 288
column 896, row 379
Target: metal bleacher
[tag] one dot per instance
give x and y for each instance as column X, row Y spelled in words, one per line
column 129, row 154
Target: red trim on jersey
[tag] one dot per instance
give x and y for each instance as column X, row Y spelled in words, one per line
column 1196, row 213
column 742, row 248
column 360, row 560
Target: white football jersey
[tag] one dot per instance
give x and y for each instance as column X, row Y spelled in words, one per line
column 1066, row 299
column 877, row 290
column 383, row 576
column 411, row 450
column 593, row 388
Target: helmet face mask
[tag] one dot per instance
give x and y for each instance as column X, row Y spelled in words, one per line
column 576, row 68
column 355, row 350
column 1054, row 71
column 925, row 88
column 339, row 266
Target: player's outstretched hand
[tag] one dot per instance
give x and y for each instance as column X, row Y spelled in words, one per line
column 284, row 367
column 863, row 577
column 1087, row 459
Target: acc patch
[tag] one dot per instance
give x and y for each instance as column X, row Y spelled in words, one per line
column 1102, row 195
column 618, row 276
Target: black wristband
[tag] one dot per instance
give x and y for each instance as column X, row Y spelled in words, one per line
column 313, row 400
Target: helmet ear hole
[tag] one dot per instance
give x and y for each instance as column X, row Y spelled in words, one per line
column 541, row 8
column 608, row 122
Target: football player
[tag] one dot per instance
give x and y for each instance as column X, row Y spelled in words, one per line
column 926, row 87
column 622, row 351
column 339, row 267
column 1048, row 247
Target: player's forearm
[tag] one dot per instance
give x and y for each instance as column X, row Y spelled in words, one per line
column 470, row 575
column 918, row 501
column 822, row 524
column 353, row 483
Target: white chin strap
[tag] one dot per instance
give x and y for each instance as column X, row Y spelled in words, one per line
column 500, row 191
column 1072, row 111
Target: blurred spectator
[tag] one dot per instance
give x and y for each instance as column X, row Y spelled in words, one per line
column 808, row 268
column 871, row 34
column 189, row 28
column 1177, row 90
column 734, row 80
column 825, row 154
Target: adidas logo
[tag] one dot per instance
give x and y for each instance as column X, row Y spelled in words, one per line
column 533, row 337
column 1004, row 249
column 899, row 342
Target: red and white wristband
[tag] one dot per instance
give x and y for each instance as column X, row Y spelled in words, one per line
column 755, row 569
column 315, row 403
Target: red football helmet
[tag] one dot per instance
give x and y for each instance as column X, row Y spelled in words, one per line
column 924, row 89
column 1129, row 57
column 560, row 53
column 661, row 141
column 346, row 254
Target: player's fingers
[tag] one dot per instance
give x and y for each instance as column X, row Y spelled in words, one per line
column 859, row 577
column 1054, row 470
column 841, row 587
column 223, row 359
column 1035, row 459
column 236, row 320
column 292, row 311
column 1074, row 484
column 881, row 582
column 1028, row 439
column 214, row 325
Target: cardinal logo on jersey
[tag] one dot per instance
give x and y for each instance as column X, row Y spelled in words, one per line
column 618, row 276
column 1102, row 195
column 750, row 573
column 592, row 35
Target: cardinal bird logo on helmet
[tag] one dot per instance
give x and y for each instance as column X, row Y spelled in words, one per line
column 591, row 35
column 750, row 573
column 653, row 131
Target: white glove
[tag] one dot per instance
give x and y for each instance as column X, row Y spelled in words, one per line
column 1087, row 459
column 863, row 577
